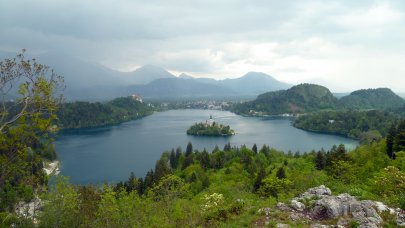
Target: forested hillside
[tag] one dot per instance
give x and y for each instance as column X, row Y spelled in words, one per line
column 85, row 114
column 307, row 98
column 298, row 99
column 367, row 126
column 381, row 98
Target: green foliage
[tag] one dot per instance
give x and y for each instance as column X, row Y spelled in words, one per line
column 85, row 114
column 226, row 199
column 390, row 184
column 62, row 206
column 368, row 126
column 395, row 141
column 189, row 149
column 298, row 99
column 26, row 127
column 399, row 138
column 381, row 98
column 273, row 186
column 342, row 171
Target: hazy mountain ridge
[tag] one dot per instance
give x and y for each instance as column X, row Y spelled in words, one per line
column 254, row 83
column 178, row 87
column 86, row 80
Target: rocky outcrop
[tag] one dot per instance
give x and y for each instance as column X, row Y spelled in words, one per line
column 318, row 204
column 30, row 209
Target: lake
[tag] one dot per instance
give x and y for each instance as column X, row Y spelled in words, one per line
column 109, row 154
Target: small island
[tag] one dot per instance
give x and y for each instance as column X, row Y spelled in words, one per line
column 210, row 128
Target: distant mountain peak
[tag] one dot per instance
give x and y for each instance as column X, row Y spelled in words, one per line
column 256, row 74
column 148, row 73
column 151, row 67
column 186, row 76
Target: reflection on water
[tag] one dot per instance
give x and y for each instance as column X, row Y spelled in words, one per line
column 107, row 154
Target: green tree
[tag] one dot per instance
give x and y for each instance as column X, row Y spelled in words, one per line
column 26, row 123
column 281, row 173
column 149, row 179
column 390, row 141
column 173, row 160
column 259, row 179
column 205, row 160
column 161, row 169
column 62, row 206
column 254, row 148
column 399, row 140
column 189, row 149
column 108, row 213
column 320, row 160
column 273, row 186
column 189, row 160
column 227, row 147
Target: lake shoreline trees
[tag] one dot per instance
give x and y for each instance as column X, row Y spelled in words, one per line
column 75, row 115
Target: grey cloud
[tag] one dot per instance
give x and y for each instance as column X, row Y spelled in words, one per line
column 178, row 34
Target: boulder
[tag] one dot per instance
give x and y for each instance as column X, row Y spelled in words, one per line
column 319, row 191
column 400, row 217
column 30, row 209
column 281, row 225
column 325, row 226
column 297, row 205
column 343, row 207
column 381, row 207
column 283, row 207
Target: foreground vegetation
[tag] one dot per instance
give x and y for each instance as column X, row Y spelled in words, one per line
column 224, row 188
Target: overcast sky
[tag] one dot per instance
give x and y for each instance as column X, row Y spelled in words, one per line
column 344, row 45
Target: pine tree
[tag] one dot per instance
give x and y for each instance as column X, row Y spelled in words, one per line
column 149, row 180
column 205, row 160
column 132, row 183
column 265, row 150
column 173, row 160
column 259, row 179
column 320, row 160
column 227, row 147
column 178, row 155
column 281, row 173
column 390, row 141
column 141, row 186
column 339, row 153
column 216, row 149
column 189, row 149
column 254, row 148
column 189, row 160
column 399, row 140
column 161, row 169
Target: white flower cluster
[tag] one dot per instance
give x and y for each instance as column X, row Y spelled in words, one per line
column 212, row 201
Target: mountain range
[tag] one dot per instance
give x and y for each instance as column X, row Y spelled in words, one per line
column 86, row 80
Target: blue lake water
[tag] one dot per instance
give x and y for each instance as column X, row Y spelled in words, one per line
column 109, row 154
